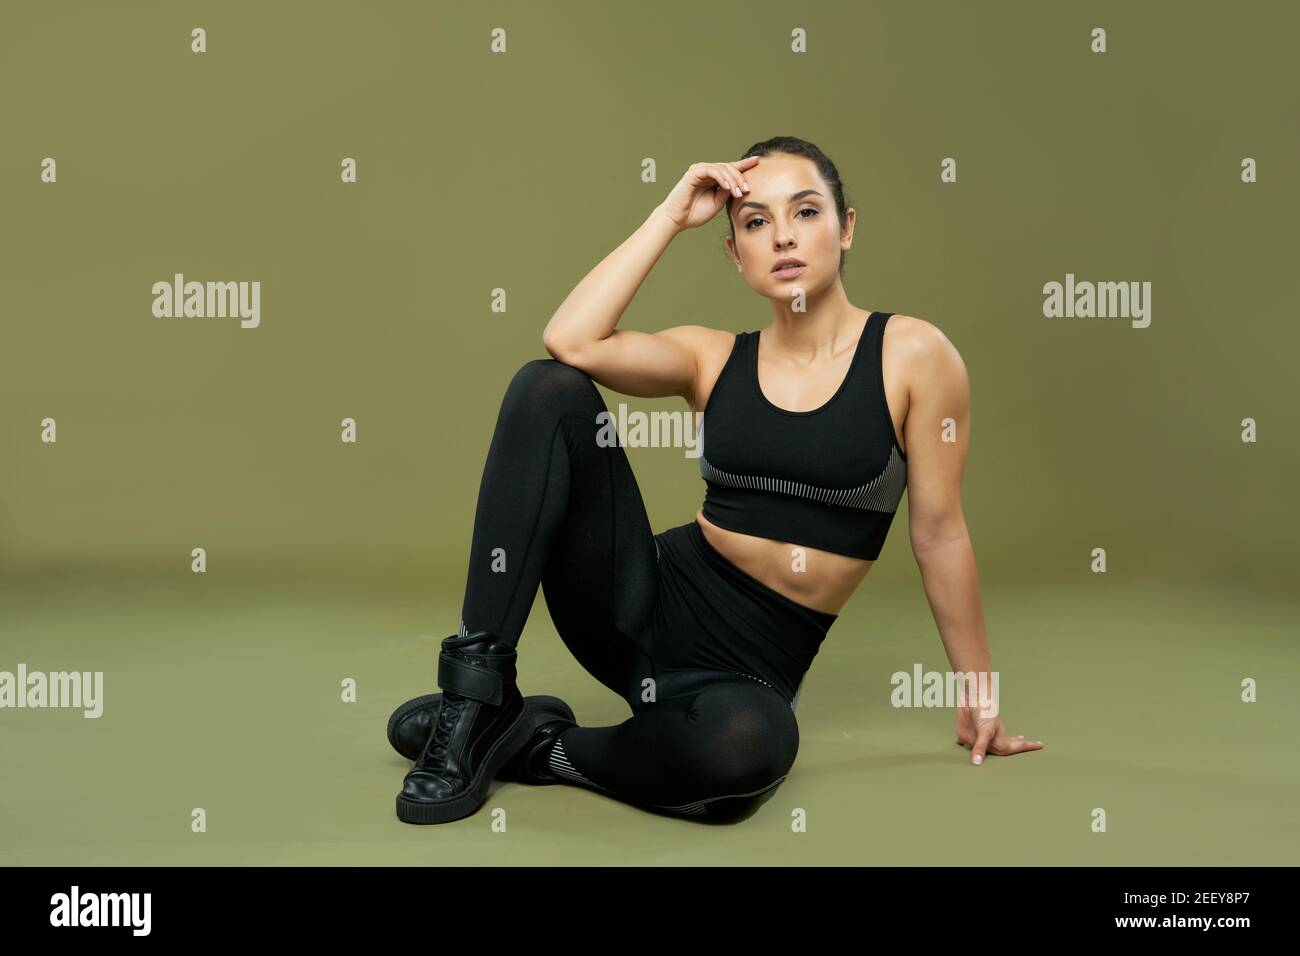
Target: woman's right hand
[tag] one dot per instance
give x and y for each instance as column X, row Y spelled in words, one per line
column 704, row 189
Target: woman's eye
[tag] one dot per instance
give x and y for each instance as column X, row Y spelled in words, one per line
column 800, row 213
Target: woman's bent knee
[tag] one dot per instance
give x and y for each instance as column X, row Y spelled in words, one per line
column 552, row 375
column 549, row 385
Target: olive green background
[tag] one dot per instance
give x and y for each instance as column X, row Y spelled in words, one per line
column 520, row 171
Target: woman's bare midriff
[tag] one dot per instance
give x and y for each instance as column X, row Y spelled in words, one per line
column 817, row 579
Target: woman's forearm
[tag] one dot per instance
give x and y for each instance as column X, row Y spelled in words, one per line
column 952, row 588
column 593, row 308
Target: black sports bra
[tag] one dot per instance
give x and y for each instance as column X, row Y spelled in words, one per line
column 830, row 478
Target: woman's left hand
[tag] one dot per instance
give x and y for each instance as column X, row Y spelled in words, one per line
column 985, row 735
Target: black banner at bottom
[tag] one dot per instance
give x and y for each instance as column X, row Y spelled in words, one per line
column 333, row 904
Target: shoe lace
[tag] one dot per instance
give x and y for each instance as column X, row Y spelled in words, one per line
column 435, row 753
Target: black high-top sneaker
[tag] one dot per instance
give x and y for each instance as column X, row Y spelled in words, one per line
column 480, row 723
column 408, row 729
column 409, row 724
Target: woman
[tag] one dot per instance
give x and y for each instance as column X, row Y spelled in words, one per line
column 706, row 629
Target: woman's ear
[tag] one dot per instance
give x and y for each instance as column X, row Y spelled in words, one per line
column 731, row 251
column 846, row 231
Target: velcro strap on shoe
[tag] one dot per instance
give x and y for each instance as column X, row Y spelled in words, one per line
column 470, row 680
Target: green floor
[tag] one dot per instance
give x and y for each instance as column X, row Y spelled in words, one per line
column 229, row 700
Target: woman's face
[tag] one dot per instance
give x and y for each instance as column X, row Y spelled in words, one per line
column 788, row 213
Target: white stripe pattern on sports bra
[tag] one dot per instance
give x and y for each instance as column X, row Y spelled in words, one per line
column 882, row 493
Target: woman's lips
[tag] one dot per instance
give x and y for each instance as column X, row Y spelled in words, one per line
column 789, row 272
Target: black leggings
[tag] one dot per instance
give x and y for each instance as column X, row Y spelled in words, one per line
column 709, row 659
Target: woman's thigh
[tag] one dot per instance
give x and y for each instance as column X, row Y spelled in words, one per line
column 600, row 577
column 708, row 744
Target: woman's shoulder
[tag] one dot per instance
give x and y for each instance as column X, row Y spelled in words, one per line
column 919, row 349
column 706, row 343
column 714, row 344
column 713, row 349
column 916, row 336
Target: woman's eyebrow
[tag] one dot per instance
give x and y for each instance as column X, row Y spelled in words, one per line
column 795, row 198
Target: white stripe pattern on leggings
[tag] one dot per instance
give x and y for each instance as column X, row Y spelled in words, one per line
column 559, row 764
column 701, row 807
column 562, row 767
column 761, row 681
